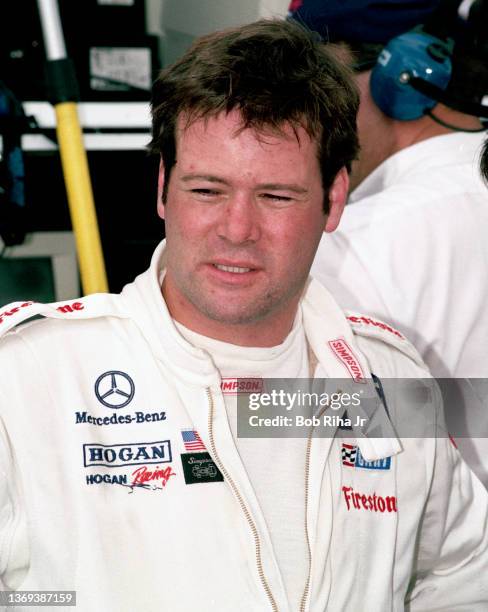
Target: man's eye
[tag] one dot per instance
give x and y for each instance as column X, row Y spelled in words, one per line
column 276, row 198
column 205, row 192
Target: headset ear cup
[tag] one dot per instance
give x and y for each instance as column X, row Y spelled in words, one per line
column 417, row 54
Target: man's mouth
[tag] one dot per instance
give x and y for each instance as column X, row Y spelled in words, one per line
column 234, row 269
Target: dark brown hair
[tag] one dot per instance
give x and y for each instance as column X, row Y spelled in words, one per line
column 275, row 73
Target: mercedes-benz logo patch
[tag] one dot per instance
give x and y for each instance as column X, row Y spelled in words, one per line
column 114, row 389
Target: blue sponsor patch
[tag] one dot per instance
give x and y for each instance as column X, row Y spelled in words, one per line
column 351, row 457
column 379, row 464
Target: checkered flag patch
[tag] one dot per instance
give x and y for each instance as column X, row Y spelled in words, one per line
column 349, row 453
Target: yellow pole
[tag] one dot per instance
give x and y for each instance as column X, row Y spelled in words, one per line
column 80, row 199
column 63, row 93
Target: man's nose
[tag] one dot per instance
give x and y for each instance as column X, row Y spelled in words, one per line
column 239, row 222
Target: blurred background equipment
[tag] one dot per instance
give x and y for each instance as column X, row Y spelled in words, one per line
column 12, row 193
column 63, row 93
column 117, row 47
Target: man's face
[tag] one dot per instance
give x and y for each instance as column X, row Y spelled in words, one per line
column 244, row 216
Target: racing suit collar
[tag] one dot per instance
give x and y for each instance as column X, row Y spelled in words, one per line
column 325, row 323
column 145, row 300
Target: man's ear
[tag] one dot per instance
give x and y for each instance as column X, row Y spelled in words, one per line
column 337, row 200
column 160, row 189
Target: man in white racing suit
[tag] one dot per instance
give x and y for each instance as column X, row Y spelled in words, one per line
column 123, row 476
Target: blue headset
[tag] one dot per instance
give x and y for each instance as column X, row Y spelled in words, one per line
column 413, row 70
column 411, row 74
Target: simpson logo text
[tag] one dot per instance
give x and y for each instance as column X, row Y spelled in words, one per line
column 231, row 386
column 344, row 353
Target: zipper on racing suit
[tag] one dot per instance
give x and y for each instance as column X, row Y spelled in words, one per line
column 303, row 602
column 247, row 514
column 309, row 549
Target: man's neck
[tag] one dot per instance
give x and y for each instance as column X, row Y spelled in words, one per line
column 239, row 335
column 391, row 136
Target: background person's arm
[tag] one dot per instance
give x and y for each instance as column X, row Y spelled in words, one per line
column 452, row 560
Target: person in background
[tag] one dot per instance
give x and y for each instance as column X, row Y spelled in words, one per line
column 412, row 248
column 484, row 161
column 122, row 472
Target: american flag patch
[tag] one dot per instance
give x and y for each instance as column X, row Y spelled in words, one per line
column 349, row 453
column 192, row 440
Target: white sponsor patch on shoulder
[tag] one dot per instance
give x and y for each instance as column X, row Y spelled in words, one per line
column 361, row 320
column 96, row 305
column 364, row 325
